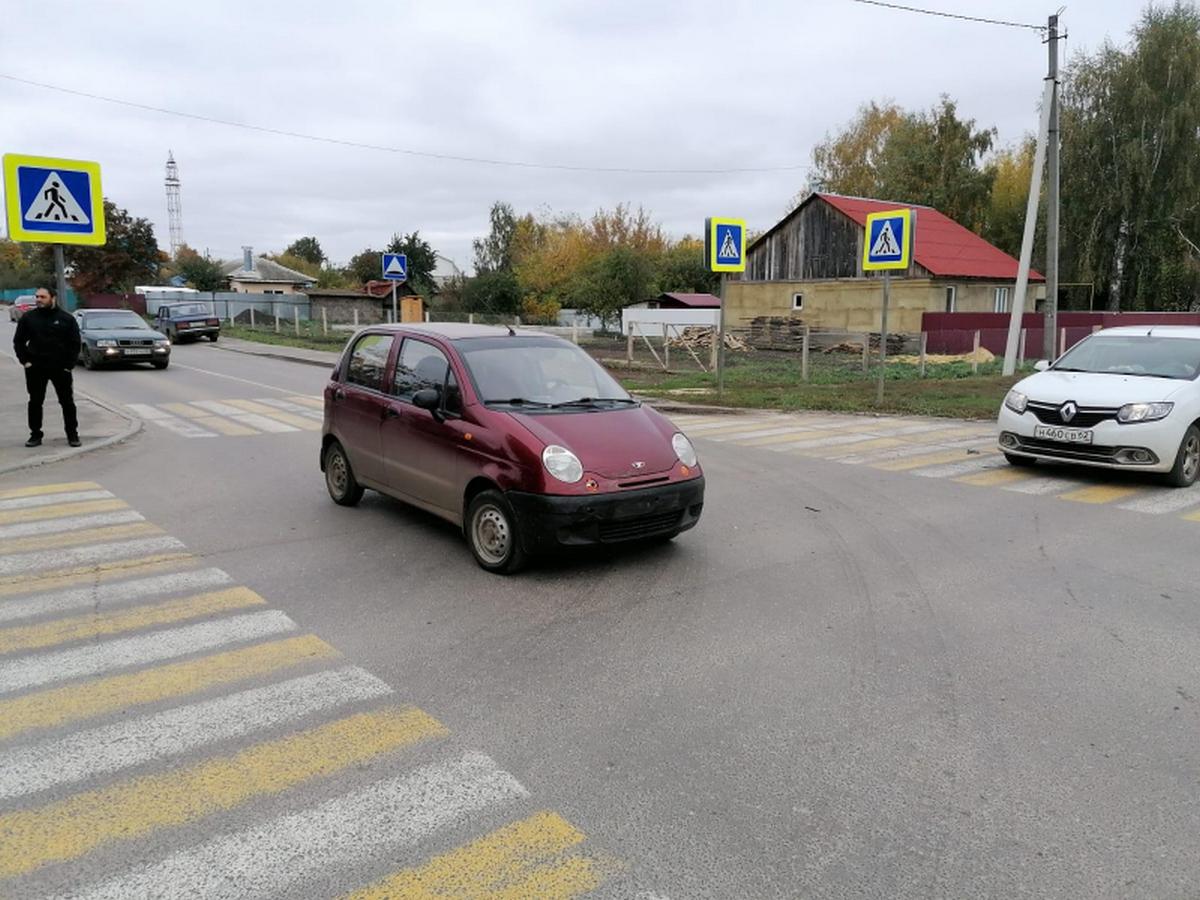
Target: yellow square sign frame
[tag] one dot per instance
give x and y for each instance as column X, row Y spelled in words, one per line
column 712, row 245
column 905, row 214
column 13, row 162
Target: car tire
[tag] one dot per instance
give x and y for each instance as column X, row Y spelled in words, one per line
column 213, row 337
column 492, row 534
column 160, row 365
column 1021, row 462
column 343, row 487
column 88, row 362
column 1187, row 460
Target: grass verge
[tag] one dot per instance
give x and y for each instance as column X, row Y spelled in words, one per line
column 335, row 341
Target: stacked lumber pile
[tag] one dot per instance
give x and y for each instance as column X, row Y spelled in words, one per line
column 896, row 344
column 776, row 332
column 699, row 339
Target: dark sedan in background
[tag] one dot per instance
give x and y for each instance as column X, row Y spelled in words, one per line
column 190, row 321
column 111, row 336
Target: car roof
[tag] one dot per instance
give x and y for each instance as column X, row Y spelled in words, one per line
column 456, row 331
column 1170, row 331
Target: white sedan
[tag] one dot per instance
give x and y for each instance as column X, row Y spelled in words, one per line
column 1123, row 398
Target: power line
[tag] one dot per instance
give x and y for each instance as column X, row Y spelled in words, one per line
column 425, row 154
column 950, row 15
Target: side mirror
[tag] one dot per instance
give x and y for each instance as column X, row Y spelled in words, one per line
column 428, row 398
column 1041, row 365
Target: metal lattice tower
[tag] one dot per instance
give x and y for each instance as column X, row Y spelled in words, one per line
column 174, row 205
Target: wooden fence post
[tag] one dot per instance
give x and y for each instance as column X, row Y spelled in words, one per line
column 924, row 348
column 804, row 344
column 1021, row 347
column 975, row 355
column 324, row 322
column 629, row 348
column 251, row 318
column 866, row 351
column 666, row 346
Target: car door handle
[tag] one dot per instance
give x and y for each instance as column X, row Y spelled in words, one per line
column 339, row 394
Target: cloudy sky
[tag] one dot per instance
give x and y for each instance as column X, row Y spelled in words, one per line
column 621, row 84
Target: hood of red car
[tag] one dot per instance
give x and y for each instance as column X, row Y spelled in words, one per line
column 609, row 442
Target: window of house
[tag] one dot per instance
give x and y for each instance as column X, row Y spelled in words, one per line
column 1000, row 302
column 368, row 361
column 797, row 302
column 420, row 366
column 951, row 298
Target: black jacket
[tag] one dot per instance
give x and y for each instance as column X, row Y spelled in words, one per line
column 48, row 338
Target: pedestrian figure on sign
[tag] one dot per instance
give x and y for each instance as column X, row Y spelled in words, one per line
column 47, row 345
column 51, row 194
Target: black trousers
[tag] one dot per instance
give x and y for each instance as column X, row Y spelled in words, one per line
column 36, row 379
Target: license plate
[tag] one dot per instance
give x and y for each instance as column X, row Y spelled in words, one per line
column 137, row 351
column 1063, row 435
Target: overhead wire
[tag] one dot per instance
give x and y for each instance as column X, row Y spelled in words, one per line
column 950, row 15
column 407, row 151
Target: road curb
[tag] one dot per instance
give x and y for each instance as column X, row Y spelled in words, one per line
column 283, row 356
column 132, row 427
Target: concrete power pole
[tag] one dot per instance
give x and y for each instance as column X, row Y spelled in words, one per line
column 1050, row 338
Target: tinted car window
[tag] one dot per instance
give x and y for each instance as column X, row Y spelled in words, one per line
column 115, row 320
column 420, row 366
column 368, row 360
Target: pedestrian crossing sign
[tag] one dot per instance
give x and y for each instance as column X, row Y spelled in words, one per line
column 888, row 240
column 53, row 201
column 725, row 245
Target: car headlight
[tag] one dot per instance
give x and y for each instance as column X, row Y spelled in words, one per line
column 1143, row 412
column 163, row 343
column 106, row 343
column 562, row 464
column 1016, row 401
column 684, row 449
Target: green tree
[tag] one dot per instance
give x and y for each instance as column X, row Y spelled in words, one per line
column 365, row 266
column 494, row 253
column 422, row 260
column 308, row 249
column 129, row 257
column 336, row 277
column 612, row 281
column 494, row 293
column 1130, row 170
column 24, row 265
column 201, row 272
column 684, row 268
column 932, row 158
column 297, row 264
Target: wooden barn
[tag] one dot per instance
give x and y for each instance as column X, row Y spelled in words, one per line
column 809, row 267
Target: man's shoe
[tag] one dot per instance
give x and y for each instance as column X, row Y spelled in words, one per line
column 34, row 442
column 74, row 441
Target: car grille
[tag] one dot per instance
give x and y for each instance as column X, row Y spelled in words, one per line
column 1060, row 450
column 1087, row 417
column 644, row 526
column 134, row 342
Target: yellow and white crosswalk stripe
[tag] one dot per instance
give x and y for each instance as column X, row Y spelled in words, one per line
column 237, row 417
column 964, row 453
column 150, row 698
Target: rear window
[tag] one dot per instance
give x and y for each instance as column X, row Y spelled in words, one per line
column 190, row 309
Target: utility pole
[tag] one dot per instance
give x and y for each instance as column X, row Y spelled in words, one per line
column 1052, row 201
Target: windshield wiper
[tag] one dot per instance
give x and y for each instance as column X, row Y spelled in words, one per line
column 1069, row 369
column 520, row 401
column 592, row 401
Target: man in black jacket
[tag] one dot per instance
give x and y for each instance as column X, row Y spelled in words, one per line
column 47, row 345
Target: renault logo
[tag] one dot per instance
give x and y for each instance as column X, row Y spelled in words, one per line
column 1068, row 410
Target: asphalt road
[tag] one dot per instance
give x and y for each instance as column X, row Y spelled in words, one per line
column 845, row 682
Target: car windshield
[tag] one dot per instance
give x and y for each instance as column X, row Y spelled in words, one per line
column 1135, row 354
column 190, row 309
column 538, row 372
column 115, row 321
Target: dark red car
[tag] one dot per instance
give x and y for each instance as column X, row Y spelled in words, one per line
column 521, row 438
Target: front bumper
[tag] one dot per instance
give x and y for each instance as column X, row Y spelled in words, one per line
column 547, row 521
column 107, row 355
column 1148, row 446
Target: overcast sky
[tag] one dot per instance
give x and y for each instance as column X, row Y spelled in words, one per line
column 702, row 84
